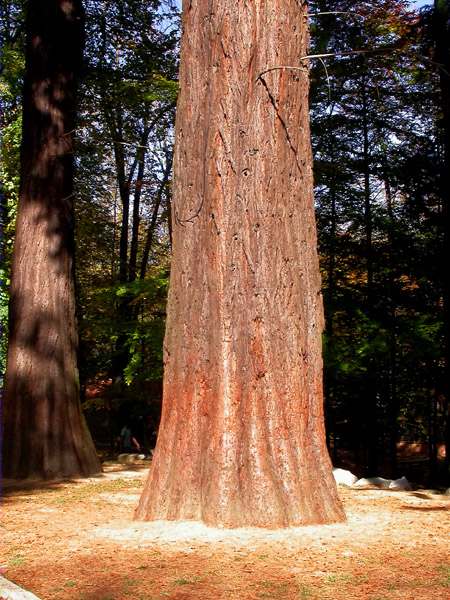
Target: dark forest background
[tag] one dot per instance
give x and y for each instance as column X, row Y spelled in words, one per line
column 380, row 124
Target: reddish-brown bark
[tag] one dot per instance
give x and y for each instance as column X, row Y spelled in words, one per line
column 45, row 435
column 242, row 439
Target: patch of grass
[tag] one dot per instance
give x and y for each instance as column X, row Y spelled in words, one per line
column 333, row 578
column 182, row 581
column 70, row 583
column 187, row 580
column 84, row 491
column 304, row 592
column 129, row 582
column 16, row 561
column 56, row 590
column 444, row 571
column 273, row 589
column 392, row 587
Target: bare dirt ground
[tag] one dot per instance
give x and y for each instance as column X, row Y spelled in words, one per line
column 77, row 540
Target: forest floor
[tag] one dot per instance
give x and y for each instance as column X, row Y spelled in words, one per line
column 77, row 540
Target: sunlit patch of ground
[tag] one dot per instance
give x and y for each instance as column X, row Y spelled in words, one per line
column 78, row 541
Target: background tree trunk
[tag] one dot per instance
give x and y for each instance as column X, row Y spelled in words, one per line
column 45, row 434
column 242, row 440
column 154, row 220
column 330, row 373
column 442, row 42
column 370, row 392
column 392, row 404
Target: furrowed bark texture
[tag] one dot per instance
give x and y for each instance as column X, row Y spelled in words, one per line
column 45, row 435
column 242, row 439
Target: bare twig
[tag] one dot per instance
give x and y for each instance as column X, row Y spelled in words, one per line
column 327, row 55
column 337, row 12
column 328, row 80
column 382, row 50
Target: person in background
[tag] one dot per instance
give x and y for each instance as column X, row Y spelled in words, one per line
column 127, row 441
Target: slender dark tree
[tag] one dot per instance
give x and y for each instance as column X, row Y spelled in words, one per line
column 441, row 36
column 242, row 438
column 45, row 435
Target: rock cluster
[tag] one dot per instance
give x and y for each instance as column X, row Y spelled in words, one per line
column 347, row 478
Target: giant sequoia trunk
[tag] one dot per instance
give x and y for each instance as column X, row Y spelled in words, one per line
column 242, row 438
column 45, row 435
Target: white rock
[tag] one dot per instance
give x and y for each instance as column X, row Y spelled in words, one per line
column 130, row 459
column 11, row 591
column 399, row 485
column 373, row 482
column 343, row 477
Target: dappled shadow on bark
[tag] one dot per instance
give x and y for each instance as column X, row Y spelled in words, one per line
column 45, row 435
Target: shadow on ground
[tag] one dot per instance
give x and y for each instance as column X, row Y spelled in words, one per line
column 27, row 487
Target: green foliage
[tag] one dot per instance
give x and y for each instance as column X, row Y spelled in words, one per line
column 127, row 105
column 161, row 89
column 9, row 185
column 139, row 323
column 157, row 89
column 144, row 339
column 377, row 208
column 384, row 337
column 10, row 166
column 11, row 77
column 13, row 63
